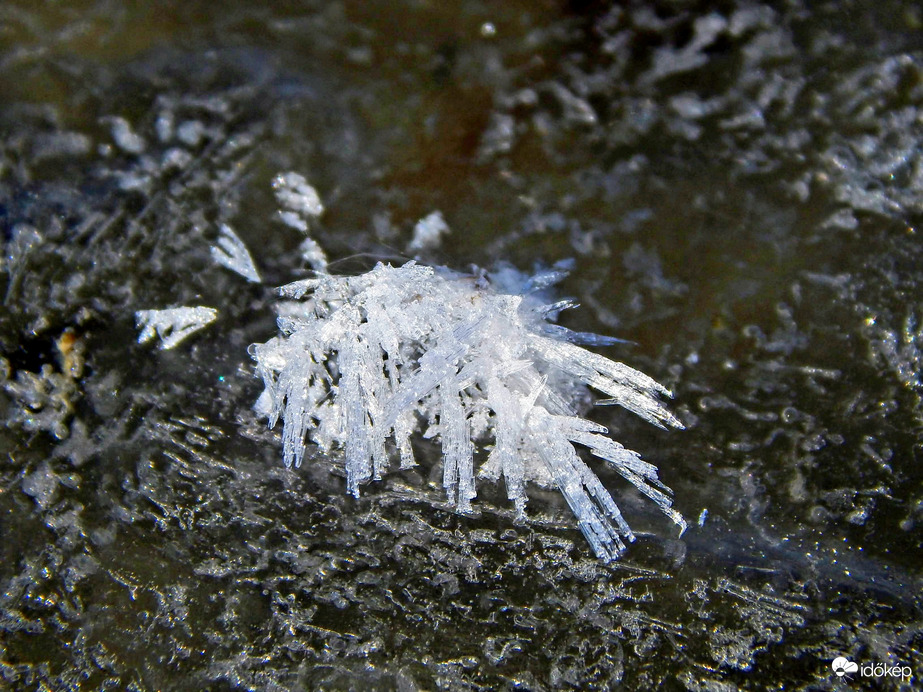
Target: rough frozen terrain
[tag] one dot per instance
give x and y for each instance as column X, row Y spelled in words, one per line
column 740, row 187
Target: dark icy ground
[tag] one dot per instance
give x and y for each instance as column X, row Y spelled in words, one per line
column 741, row 186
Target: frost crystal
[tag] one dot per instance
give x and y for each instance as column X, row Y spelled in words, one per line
column 300, row 202
column 172, row 325
column 428, row 232
column 232, row 253
column 126, row 138
column 312, row 253
column 368, row 359
column 297, row 196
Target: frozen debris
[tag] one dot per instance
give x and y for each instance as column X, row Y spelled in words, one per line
column 372, row 358
column 172, row 325
column 42, row 485
column 293, row 220
column 164, row 125
column 231, row 252
column 752, row 17
column 191, row 133
column 45, row 400
column 384, row 229
column 576, row 110
column 61, row 145
column 125, row 138
column 690, row 106
column 175, row 158
column 295, row 194
column 498, row 137
column 900, row 350
column 428, row 232
column 669, row 61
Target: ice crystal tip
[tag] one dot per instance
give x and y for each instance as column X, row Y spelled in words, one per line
column 362, row 362
column 231, row 252
column 173, row 324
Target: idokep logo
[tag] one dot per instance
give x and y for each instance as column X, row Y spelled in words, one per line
column 844, row 668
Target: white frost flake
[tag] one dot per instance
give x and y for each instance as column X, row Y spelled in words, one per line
column 231, row 252
column 172, row 325
column 313, row 254
column 295, row 194
column 428, row 232
column 301, row 204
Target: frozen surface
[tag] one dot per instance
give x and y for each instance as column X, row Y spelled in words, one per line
column 738, row 187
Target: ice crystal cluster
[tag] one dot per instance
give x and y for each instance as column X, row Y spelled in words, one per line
column 362, row 362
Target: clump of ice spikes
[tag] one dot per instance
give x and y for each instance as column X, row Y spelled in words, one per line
column 173, row 324
column 365, row 360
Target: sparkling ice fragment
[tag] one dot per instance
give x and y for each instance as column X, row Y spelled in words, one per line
column 231, row 252
column 295, row 194
column 300, row 205
column 173, row 324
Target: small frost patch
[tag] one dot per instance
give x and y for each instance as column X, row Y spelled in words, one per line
column 428, row 232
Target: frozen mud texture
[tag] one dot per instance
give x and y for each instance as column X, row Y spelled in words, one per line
column 741, row 186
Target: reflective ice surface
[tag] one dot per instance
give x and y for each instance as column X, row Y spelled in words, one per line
column 740, row 186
